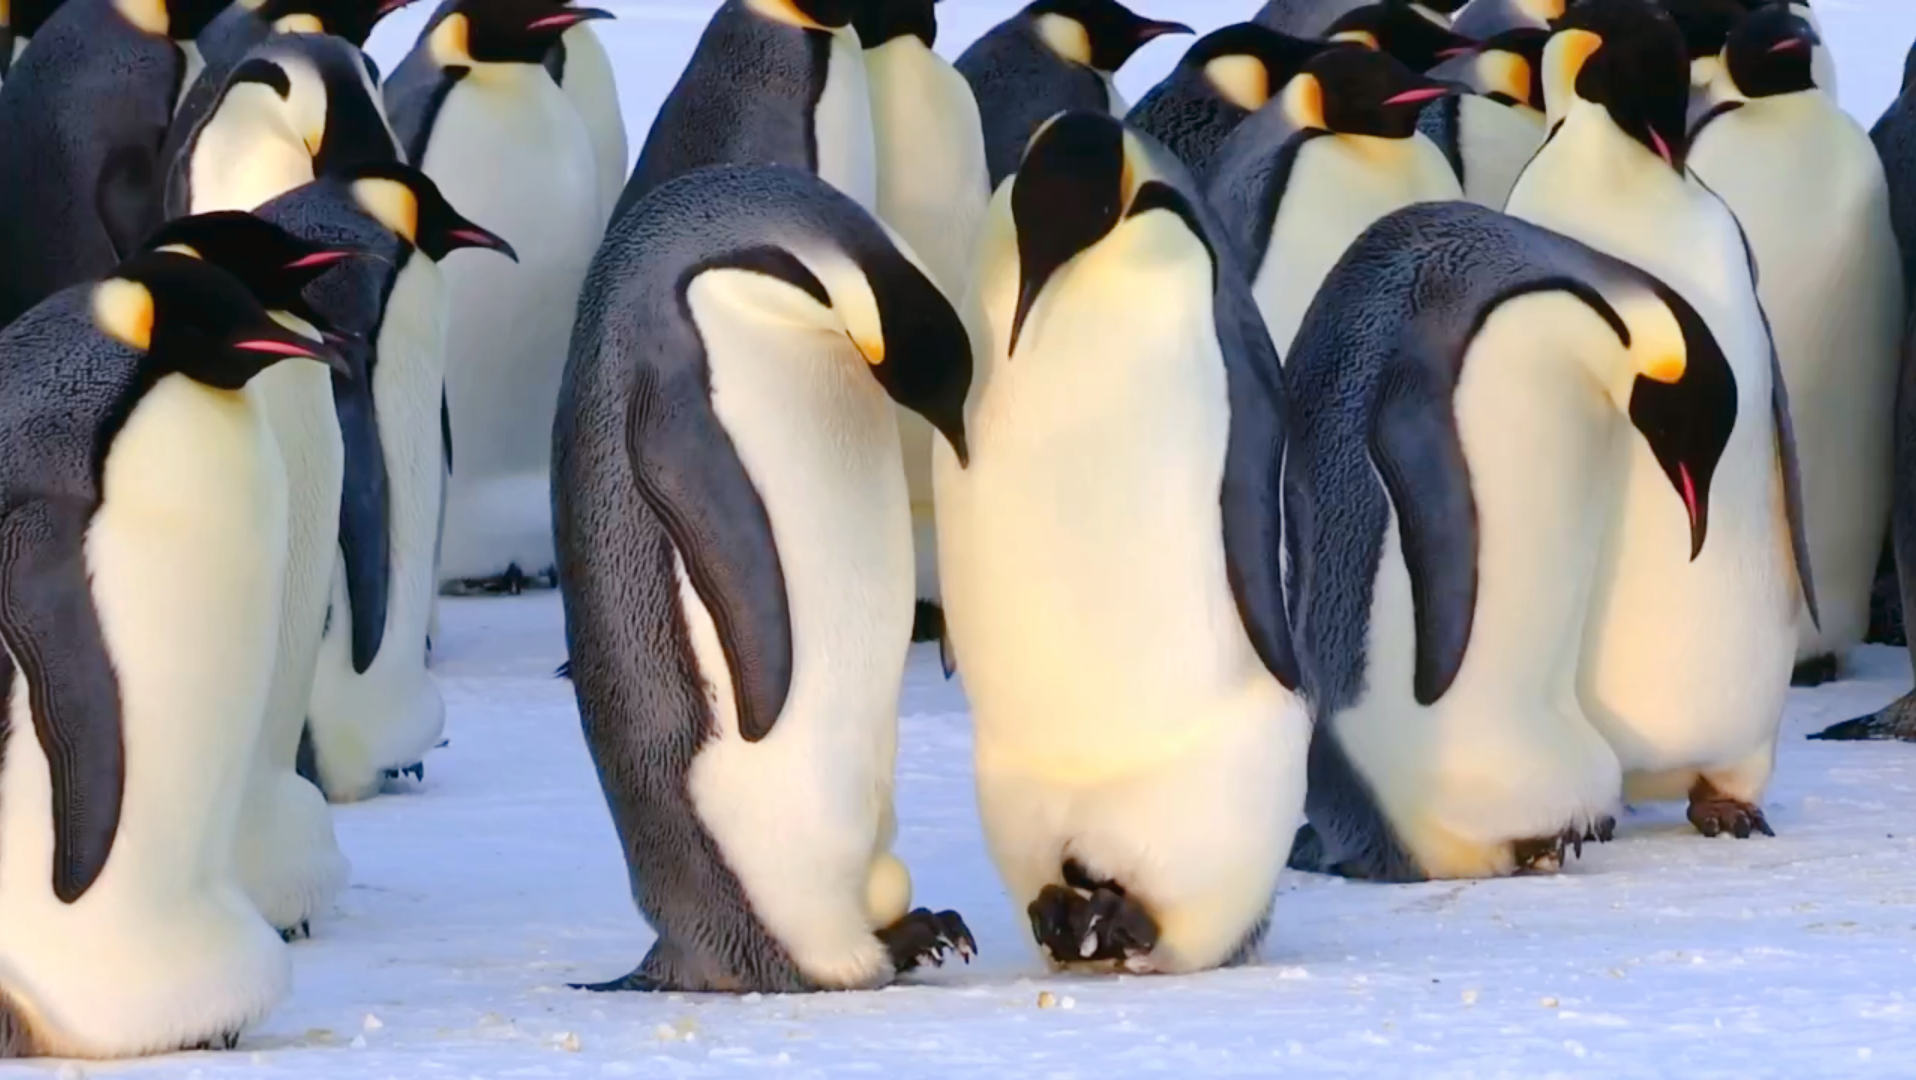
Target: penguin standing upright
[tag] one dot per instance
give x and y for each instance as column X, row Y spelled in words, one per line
column 1464, row 393
column 1052, row 56
column 477, row 112
column 1687, row 657
column 735, row 553
column 772, row 82
column 932, row 189
column 1488, row 136
column 374, row 708
column 1224, row 78
column 20, row 20
column 1110, row 564
column 1485, row 19
column 144, row 522
column 1297, row 182
column 81, row 122
column 1809, row 190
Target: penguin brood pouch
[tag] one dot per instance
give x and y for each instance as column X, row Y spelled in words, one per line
column 735, row 556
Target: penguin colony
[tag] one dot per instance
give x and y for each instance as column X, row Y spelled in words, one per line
column 1407, row 433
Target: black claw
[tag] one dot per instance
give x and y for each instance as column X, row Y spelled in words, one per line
column 1053, row 915
column 958, row 934
column 300, row 932
column 922, row 938
column 564, row 671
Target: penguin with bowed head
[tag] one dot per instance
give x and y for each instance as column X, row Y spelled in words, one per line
column 20, row 20
column 1403, row 31
column 1485, row 19
column 772, row 82
column 932, row 189
column 1224, row 78
column 1313, row 18
column 1490, row 134
column 735, row 557
column 1809, row 190
column 476, row 110
column 1053, row 56
column 374, row 709
column 1464, row 392
column 82, row 118
column 1110, row 562
column 1687, row 655
column 144, row 526
column 1338, row 149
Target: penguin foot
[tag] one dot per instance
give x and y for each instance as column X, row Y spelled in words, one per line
column 1601, row 831
column 1897, row 720
column 1816, row 671
column 1547, row 854
column 225, row 1040
column 1092, row 921
column 634, row 982
column 417, row 770
column 301, row 932
column 923, row 937
column 927, row 623
column 563, row 671
column 511, row 583
column 1714, row 814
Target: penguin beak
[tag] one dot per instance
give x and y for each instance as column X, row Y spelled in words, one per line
column 1152, row 29
column 387, row 7
column 1686, row 411
column 567, row 19
column 320, row 258
column 469, row 235
column 290, row 346
column 1419, row 95
column 1068, row 194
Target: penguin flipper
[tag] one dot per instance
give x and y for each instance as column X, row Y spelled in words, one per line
column 365, row 536
column 1417, row 451
column 690, row 475
column 53, row 634
column 1792, row 475
column 126, row 197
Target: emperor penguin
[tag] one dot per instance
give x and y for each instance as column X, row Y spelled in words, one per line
column 145, row 523
column 772, row 82
column 1687, row 656
column 1338, row 149
column 1485, row 19
column 1110, row 560
column 1809, row 189
column 1402, row 30
column 736, row 563
column 1489, row 135
column 1224, row 78
column 477, row 112
column 1313, row 18
column 932, row 189
column 20, row 20
column 1466, row 393
column 1054, row 55
column 82, row 118
column 374, row 707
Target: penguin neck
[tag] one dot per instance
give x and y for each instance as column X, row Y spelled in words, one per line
column 515, row 77
column 1590, row 163
column 247, row 154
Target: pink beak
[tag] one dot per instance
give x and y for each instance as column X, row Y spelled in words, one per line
column 1461, row 50
column 1789, row 45
column 387, row 7
column 563, row 19
column 319, row 258
column 1421, row 94
column 276, row 348
column 1663, row 148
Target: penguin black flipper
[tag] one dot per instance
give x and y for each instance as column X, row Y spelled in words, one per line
column 1442, row 123
column 126, row 195
column 690, row 475
column 1247, row 187
column 365, row 526
column 414, row 96
column 51, row 630
column 1788, row 464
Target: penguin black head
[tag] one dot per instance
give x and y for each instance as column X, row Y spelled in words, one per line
column 273, row 263
column 881, row 21
column 353, row 20
column 1247, row 63
column 1398, row 28
column 1509, row 67
column 192, row 318
column 1082, row 175
column 1100, row 34
column 1769, row 53
column 25, row 17
column 408, row 202
column 1359, row 92
column 1684, row 403
column 189, row 17
column 1628, row 57
column 504, row 31
column 326, row 97
column 1706, row 24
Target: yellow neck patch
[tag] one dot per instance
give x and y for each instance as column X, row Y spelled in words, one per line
column 1361, row 37
column 1542, row 10
column 1067, row 37
column 6, row 13
column 450, row 44
column 123, row 310
column 390, row 203
column 147, row 15
column 1506, row 73
column 299, row 24
column 1304, row 103
column 787, row 12
column 1243, row 80
column 1563, row 60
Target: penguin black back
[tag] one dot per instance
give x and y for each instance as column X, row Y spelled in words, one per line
column 1399, row 29
column 1227, row 75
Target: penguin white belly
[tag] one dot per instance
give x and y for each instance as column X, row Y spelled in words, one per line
column 804, row 816
column 933, row 187
column 593, row 88
column 1507, row 753
column 185, row 560
column 1830, row 280
column 1496, row 141
column 842, row 124
column 246, row 156
column 1122, row 715
column 508, row 149
column 1686, row 664
column 1338, row 187
column 288, row 859
column 389, row 716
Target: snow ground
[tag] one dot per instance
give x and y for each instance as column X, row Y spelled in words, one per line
column 478, row 895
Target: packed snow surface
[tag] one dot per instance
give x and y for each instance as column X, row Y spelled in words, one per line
column 479, row 894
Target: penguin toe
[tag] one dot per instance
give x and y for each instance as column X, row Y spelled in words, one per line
column 1058, row 917
column 300, row 932
column 1601, row 830
column 922, row 938
column 633, row 983
column 958, row 935
column 1716, row 816
column 1120, row 927
column 1816, row 671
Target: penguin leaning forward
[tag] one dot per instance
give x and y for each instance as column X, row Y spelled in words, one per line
column 1686, row 660
column 1110, row 563
column 736, row 562
column 1224, row 78
column 1808, row 188
column 1052, row 56
column 476, row 110
column 772, row 82
column 81, row 121
column 1466, row 391
column 1338, row 149
column 143, row 518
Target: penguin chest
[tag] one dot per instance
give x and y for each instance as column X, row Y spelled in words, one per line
column 246, row 155
column 1495, row 141
column 932, row 180
column 593, row 90
column 408, row 383
column 1338, row 186
column 842, row 123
